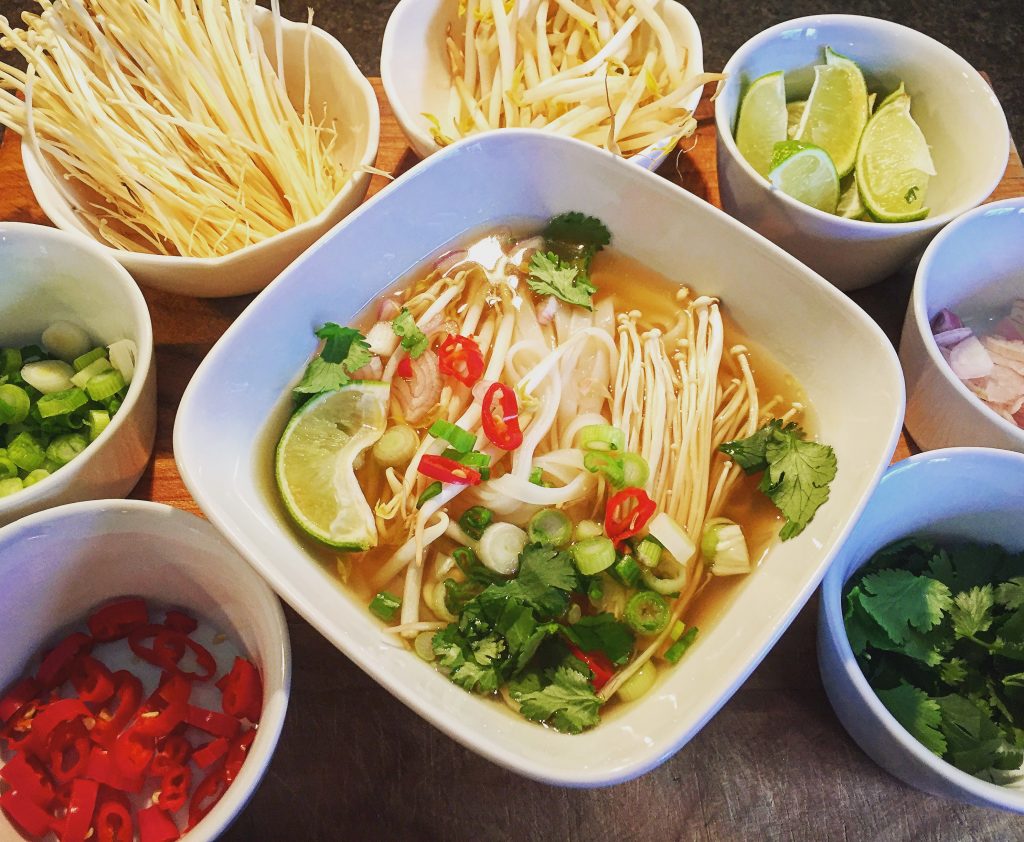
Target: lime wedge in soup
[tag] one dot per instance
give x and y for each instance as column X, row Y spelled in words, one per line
column 894, row 164
column 836, row 110
column 762, row 121
column 805, row 172
column 315, row 463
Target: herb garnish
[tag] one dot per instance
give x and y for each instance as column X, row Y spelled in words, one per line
column 413, row 339
column 345, row 351
column 563, row 269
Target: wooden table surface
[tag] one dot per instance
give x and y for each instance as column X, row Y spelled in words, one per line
column 354, row 763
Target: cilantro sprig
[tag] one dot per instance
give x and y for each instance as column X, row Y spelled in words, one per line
column 563, row 268
column 796, row 473
column 939, row 633
column 413, row 339
column 345, row 351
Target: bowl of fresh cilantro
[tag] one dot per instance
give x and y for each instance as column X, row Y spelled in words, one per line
column 921, row 626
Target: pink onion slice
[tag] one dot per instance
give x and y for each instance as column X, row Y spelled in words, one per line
column 949, row 338
column 969, row 360
column 945, row 320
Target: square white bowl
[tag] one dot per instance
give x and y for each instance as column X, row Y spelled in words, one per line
column 235, row 407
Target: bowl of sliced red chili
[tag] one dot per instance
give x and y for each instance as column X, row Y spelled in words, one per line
column 143, row 680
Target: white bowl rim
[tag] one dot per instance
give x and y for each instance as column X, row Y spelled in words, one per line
column 723, row 122
column 494, row 752
column 832, row 586
column 275, row 708
column 358, row 80
column 390, row 46
column 143, row 363
column 923, row 325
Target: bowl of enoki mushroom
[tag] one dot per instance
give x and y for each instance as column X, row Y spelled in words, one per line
column 623, row 76
column 205, row 145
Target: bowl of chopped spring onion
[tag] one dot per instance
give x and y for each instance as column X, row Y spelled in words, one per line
column 921, row 626
column 196, row 189
column 77, row 386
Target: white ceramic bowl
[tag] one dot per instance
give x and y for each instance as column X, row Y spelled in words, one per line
column 955, row 108
column 50, row 275
column 850, row 372
column 335, row 80
column 58, row 565
column 414, row 68
column 961, row 493
column 975, row 267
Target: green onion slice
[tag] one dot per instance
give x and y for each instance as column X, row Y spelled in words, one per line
column 647, row 613
column 592, row 555
column 385, row 605
column 105, row 385
column 462, row 440
column 61, row 403
column 475, row 520
column 550, row 527
column 678, row 649
column 429, row 493
column 601, row 437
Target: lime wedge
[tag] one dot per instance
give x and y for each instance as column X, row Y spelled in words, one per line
column 806, row 173
column 836, row 111
column 794, row 111
column 315, row 460
column 850, row 205
column 762, row 120
column 894, row 164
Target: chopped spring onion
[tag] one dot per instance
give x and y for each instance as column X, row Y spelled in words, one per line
column 462, row 440
column 592, row 555
column 635, row 470
column 678, row 627
column 550, row 527
column 588, row 529
column 397, row 446
column 724, row 548
column 66, row 340
column 10, row 485
column 500, row 546
column 639, row 684
column 65, row 448
column 14, row 404
column 97, row 422
column 647, row 613
column 48, row 376
column 475, row 520
column 436, row 600
column 88, row 358
column 537, row 476
column 608, row 465
column 424, row 645
column 25, row 452
column 84, row 375
column 472, row 459
column 385, row 606
column 678, row 649
column 648, row 552
column 672, row 584
column 601, row 437
column 7, row 468
column 627, row 571
column 10, row 361
column 105, row 385
column 35, row 476
column 62, row 403
column 465, row 559
column 122, row 356
column 596, row 590
column 429, row 493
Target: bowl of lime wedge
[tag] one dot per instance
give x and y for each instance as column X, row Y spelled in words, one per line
column 850, row 141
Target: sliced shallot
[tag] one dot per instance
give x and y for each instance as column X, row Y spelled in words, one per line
column 969, row 359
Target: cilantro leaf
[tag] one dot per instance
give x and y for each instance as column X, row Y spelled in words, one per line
column 414, row 340
column 861, row 628
column 568, row 702
column 345, row 351
column 602, row 633
column 1011, row 594
column 954, row 671
column 550, row 276
column 576, row 227
column 916, row 712
column 971, row 611
column 545, row 579
column 322, row 376
column 974, row 741
column 899, row 600
column 749, row 453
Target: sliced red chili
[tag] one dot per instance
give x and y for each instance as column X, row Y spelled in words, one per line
column 404, row 368
column 81, row 807
column 174, row 786
column 156, row 826
column 25, row 813
column 17, row 697
column 118, row 619
column 119, row 710
column 171, row 751
column 212, row 722
column 68, row 749
column 58, row 661
column 242, row 691
column 206, row 795
column 597, row 663
column 237, row 753
column 17, row 732
column 92, row 680
column 500, row 417
column 102, row 769
column 48, row 718
column 165, row 709
column 132, row 753
column 27, row 775
column 460, row 357
column 113, row 821
column 622, row 520
column 169, row 647
column 447, row 470
column 205, row 756
column 181, row 622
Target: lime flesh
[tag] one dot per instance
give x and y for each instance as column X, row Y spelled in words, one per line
column 315, row 463
column 806, row 173
column 762, row 121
